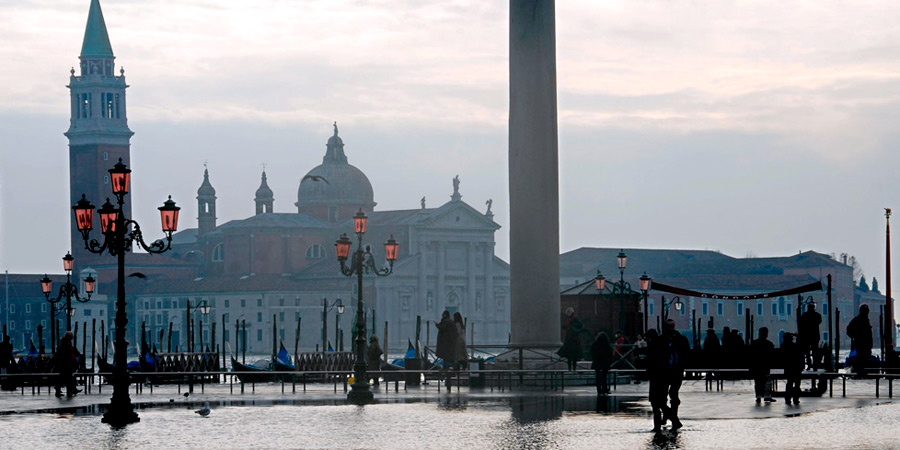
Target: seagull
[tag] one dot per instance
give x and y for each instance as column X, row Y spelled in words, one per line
column 204, row 411
column 315, row 178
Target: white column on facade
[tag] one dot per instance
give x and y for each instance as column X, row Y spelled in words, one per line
column 439, row 301
column 419, row 306
column 489, row 300
column 533, row 175
column 470, row 310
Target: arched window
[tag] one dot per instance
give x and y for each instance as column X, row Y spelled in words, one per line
column 219, row 252
column 315, row 251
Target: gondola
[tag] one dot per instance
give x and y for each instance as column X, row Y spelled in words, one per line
column 249, row 373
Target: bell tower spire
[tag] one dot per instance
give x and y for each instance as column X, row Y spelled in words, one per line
column 98, row 128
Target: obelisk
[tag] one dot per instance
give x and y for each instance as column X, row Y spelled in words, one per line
column 533, row 176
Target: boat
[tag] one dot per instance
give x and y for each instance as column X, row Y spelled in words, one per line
column 253, row 373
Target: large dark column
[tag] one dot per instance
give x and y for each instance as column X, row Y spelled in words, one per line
column 533, row 175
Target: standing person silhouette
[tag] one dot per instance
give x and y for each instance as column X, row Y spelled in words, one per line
column 761, row 352
column 808, row 334
column 65, row 362
column 859, row 330
column 446, row 340
column 601, row 358
column 571, row 348
column 676, row 349
column 462, row 354
column 793, row 360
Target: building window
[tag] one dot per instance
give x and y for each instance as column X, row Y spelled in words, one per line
column 159, row 320
column 227, row 303
column 781, row 306
column 825, row 335
column 720, row 308
column 27, row 324
column 825, row 308
column 259, row 303
column 297, row 301
column 281, row 334
column 87, row 313
column 259, row 335
column 789, row 310
column 43, row 307
column 774, row 309
column 740, row 308
column 705, row 309
column 281, row 301
column 27, row 307
column 759, row 309
column 218, row 253
column 227, row 336
column 651, row 305
column 105, row 179
column 281, row 316
column 259, row 317
column 315, row 251
column 225, row 319
column 106, row 156
column 12, row 308
column 12, row 325
column 243, row 303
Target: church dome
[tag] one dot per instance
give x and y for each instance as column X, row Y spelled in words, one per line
column 335, row 182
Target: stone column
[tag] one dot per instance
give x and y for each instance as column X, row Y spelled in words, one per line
column 533, row 175
column 439, row 303
column 470, row 311
column 489, row 301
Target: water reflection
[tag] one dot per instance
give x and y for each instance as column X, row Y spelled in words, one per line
column 663, row 441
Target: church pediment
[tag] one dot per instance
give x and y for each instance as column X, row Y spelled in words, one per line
column 459, row 214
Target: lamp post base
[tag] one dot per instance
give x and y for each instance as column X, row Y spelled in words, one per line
column 360, row 394
column 120, row 415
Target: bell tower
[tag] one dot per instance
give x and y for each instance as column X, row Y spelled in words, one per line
column 98, row 129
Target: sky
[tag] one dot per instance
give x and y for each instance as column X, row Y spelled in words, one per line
column 754, row 128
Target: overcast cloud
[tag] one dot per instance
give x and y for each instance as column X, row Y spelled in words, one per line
column 762, row 128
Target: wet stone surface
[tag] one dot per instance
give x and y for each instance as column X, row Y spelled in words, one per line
column 432, row 419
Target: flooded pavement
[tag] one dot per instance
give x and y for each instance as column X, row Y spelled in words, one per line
column 430, row 419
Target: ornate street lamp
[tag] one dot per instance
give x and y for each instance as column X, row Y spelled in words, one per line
column 117, row 241
column 666, row 304
column 619, row 288
column 645, row 287
column 362, row 262
column 203, row 307
column 67, row 291
column 337, row 322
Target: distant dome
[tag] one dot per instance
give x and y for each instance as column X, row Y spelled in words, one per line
column 335, row 182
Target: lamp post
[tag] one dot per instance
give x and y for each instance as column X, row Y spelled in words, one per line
column 337, row 322
column 619, row 288
column 666, row 304
column 203, row 306
column 645, row 286
column 67, row 291
column 362, row 262
column 118, row 240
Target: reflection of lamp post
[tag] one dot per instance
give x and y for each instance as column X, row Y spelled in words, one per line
column 645, row 286
column 619, row 288
column 117, row 240
column 67, row 290
column 362, row 262
column 666, row 304
column 337, row 322
column 203, row 306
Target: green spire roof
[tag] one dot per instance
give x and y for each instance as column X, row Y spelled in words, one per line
column 96, row 39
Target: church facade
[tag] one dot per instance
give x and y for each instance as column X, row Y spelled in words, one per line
column 276, row 273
